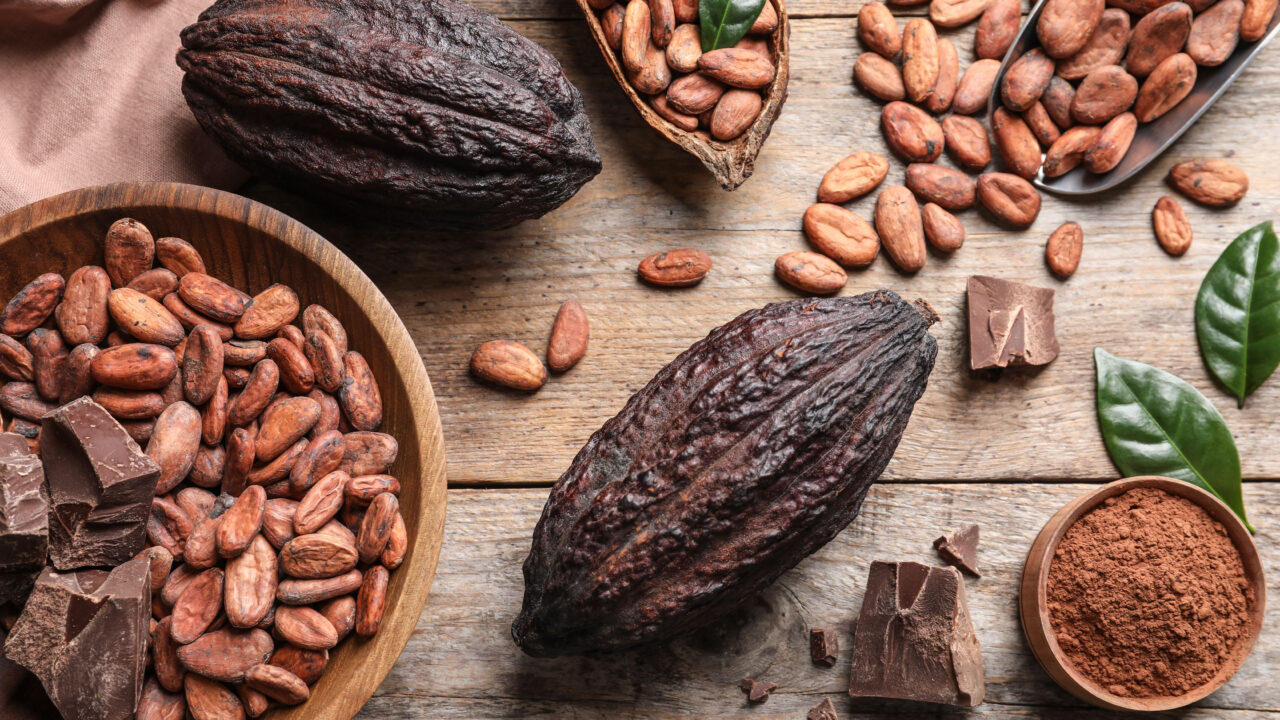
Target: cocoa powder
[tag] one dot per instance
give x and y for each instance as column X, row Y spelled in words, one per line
column 1147, row 595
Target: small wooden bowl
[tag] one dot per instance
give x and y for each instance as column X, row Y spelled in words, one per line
column 731, row 162
column 1034, row 610
column 252, row 246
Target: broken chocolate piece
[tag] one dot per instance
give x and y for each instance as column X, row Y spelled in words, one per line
column 21, row 697
column 824, row 646
column 824, row 710
column 24, row 519
column 757, row 691
column 960, row 548
column 914, row 639
column 100, row 487
column 84, row 635
column 1010, row 323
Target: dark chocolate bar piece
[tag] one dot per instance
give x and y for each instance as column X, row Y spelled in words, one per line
column 757, row 691
column 914, row 639
column 1010, row 323
column 100, row 487
column 824, row 710
column 24, row 513
column 84, row 635
column 13, row 445
column 960, row 548
column 21, row 697
column 824, row 646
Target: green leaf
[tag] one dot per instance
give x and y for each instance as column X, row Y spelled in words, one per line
column 1156, row 424
column 1238, row 312
column 724, row 22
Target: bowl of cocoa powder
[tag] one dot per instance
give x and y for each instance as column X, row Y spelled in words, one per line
column 1146, row 595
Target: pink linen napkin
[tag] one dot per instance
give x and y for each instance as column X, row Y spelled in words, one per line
column 90, row 94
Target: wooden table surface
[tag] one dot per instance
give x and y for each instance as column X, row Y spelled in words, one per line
column 1005, row 453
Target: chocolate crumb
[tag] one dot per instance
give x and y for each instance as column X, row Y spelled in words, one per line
column 757, row 691
column 824, row 710
column 960, row 548
column 824, row 646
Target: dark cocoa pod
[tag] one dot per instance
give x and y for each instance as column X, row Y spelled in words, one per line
column 747, row 453
column 442, row 115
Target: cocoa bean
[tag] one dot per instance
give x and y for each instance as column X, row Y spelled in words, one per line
column 944, row 90
column 23, row 400
column 263, row 381
column 662, row 22
column 210, row 296
column 201, row 551
column 277, row 683
column 323, row 455
column 174, row 442
column 277, row 470
column 130, row 404
column 920, row 64
column 296, row 373
column 48, row 362
column 1041, row 125
column 1026, row 80
column 1103, row 94
column 135, row 366
column 911, row 133
column 372, row 601
column 277, row 521
column 974, row 89
column 1065, row 26
column 317, row 319
column 144, row 318
column 1068, row 152
column 79, row 372
column 654, row 76
column 735, row 113
column 879, row 77
column 368, row 453
column 304, row 627
column 375, row 527
column 566, row 346
column 1159, row 34
column 397, row 544
column 210, row 700
column 321, row 503
column 178, row 256
column 82, row 315
column 509, row 364
column 241, row 522
column 247, row 353
column 196, row 608
column 1256, row 19
column 878, row 30
column 317, row 555
column 944, row 186
column 341, row 614
column 967, row 142
column 997, row 28
column 675, row 268
column 1171, row 81
column 270, row 310
column 900, row 228
column 810, row 272
column 129, row 250
column 663, row 107
column 308, row 665
column 225, row 654
column 164, row 657
column 240, row 454
column 1111, row 145
column 853, row 177
column 251, row 579
column 1010, row 199
column 33, row 304
column 685, row 48
column 943, row 230
column 1215, row 33
column 1017, row 145
column 15, row 360
column 155, row 283
column 955, row 13
column 1057, row 99
column 1062, row 252
column 359, row 397
column 1209, row 181
column 156, row 703
column 189, row 318
column 283, row 424
column 293, row 591
column 738, row 68
column 1106, row 46
column 841, row 235
column 1173, row 230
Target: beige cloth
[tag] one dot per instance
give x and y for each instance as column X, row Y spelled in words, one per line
column 90, row 94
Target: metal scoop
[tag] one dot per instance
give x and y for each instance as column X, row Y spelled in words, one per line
column 1151, row 138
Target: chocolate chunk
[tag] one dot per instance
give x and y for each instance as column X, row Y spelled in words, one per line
column 824, row 646
column 1009, row 324
column 960, row 548
column 915, row 640
column 84, row 635
column 824, row 710
column 24, row 519
column 21, row 697
column 757, row 691
column 100, row 486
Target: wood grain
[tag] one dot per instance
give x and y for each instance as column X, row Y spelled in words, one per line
column 463, row 664
column 456, row 291
column 252, row 246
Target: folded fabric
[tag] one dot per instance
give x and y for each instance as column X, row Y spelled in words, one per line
column 90, row 94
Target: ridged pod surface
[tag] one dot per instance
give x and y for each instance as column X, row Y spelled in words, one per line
column 430, row 111
column 748, row 452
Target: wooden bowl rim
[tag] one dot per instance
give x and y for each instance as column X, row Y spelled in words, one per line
column 1033, row 609
column 416, row 574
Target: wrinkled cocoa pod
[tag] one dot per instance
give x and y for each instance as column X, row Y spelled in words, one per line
column 1106, row 46
column 1065, row 26
column 1171, row 82
column 974, row 89
column 944, row 186
column 942, row 229
column 1111, row 144
column 1017, row 144
column 911, row 133
column 479, row 75
column 1010, row 199
column 1173, row 230
column 879, row 77
column 1026, row 80
column 997, row 29
column 878, row 30
column 851, row 362
column 967, row 142
column 1210, row 181
column 1103, row 94
column 920, row 64
column 841, row 235
column 1158, row 35
column 1062, row 252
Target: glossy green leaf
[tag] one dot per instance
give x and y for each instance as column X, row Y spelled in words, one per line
column 1238, row 312
column 1154, row 423
column 725, row 22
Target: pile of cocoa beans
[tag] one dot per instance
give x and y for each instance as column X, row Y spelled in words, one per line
column 715, row 94
column 1122, row 76
column 275, row 526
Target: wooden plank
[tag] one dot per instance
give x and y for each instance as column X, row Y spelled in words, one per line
column 559, row 9
column 455, row 291
column 461, row 663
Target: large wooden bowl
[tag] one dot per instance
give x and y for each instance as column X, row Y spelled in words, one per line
column 252, row 246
